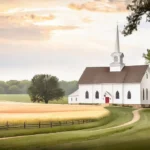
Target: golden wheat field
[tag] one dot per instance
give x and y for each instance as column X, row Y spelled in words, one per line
column 28, row 112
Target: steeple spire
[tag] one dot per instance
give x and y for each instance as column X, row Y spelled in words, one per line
column 117, row 40
column 117, row 64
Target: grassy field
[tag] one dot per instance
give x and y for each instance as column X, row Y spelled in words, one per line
column 15, row 98
column 115, row 118
column 71, row 139
column 133, row 137
column 90, row 136
column 26, row 99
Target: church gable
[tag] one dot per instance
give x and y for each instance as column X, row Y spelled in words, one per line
column 97, row 75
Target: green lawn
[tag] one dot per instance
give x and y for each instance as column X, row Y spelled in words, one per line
column 73, row 139
column 26, row 99
column 118, row 116
column 15, row 98
column 133, row 137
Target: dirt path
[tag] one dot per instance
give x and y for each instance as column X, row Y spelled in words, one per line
column 136, row 117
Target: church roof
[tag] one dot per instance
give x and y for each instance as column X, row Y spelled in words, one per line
column 129, row 74
column 76, row 93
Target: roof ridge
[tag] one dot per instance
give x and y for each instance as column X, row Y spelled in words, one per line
column 109, row 66
column 97, row 75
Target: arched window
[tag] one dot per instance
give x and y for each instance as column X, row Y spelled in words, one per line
column 115, row 59
column 97, row 95
column 146, row 94
column 129, row 95
column 146, row 76
column 143, row 94
column 117, row 95
column 87, row 95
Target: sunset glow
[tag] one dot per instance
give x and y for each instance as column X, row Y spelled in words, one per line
column 63, row 37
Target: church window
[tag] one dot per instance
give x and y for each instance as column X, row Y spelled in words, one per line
column 117, row 95
column 146, row 76
column 97, row 95
column 146, row 94
column 87, row 95
column 76, row 99
column 116, row 59
column 143, row 94
column 129, row 95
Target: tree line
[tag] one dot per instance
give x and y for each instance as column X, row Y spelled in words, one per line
column 21, row 87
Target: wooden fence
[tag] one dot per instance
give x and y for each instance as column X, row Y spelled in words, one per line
column 26, row 125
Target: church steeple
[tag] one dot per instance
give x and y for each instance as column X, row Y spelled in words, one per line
column 117, row 64
column 117, row 41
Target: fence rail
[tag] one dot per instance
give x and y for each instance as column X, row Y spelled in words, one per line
column 40, row 124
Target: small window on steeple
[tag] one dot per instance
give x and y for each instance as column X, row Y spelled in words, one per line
column 115, row 59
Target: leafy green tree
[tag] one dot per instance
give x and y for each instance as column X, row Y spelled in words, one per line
column 45, row 88
column 147, row 56
column 24, row 85
column 4, row 86
column 13, row 90
column 12, row 82
column 2, row 91
column 138, row 9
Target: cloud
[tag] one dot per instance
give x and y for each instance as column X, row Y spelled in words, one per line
column 29, row 32
column 87, row 20
column 12, row 4
column 34, row 17
column 18, row 25
column 100, row 6
column 24, row 18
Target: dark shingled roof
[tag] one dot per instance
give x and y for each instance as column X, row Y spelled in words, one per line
column 129, row 74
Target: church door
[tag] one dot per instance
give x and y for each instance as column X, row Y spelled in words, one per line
column 107, row 100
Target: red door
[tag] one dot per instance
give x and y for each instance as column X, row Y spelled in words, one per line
column 107, row 100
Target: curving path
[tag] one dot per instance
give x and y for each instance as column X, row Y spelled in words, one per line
column 136, row 117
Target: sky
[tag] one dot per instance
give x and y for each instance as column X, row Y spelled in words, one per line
column 64, row 37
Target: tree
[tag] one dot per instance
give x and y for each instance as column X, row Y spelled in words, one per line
column 147, row 56
column 4, row 87
column 24, row 85
column 2, row 91
column 12, row 82
column 139, row 8
column 13, row 90
column 68, row 87
column 45, row 88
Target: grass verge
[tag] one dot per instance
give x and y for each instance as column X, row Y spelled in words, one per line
column 24, row 98
column 46, row 141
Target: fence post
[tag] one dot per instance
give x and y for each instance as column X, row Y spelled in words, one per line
column 39, row 124
column 72, row 122
column 83, row 121
column 7, row 125
column 24, row 125
column 51, row 124
column 60, row 123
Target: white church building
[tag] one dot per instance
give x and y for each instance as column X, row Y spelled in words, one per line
column 115, row 84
